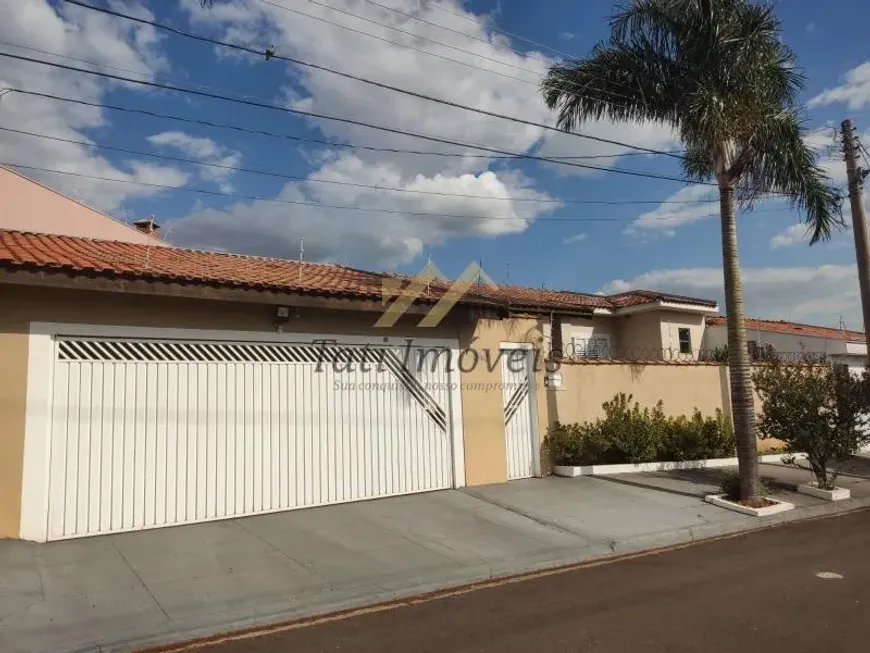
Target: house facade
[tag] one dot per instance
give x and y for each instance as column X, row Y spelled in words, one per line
column 794, row 342
column 639, row 326
column 154, row 386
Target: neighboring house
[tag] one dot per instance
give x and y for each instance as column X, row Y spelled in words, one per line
column 636, row 325
column 153, row 386
column 30, row 206
column 793, row 342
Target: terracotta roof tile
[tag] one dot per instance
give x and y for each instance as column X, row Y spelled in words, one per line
column 69, row 254
column 793, row 328
column 525, row 297
column 74, row 255
column 635, row 297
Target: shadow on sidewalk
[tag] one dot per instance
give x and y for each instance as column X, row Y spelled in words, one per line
column 696, row 483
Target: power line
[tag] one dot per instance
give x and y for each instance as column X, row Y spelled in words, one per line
column 450, row 29
column 155, row 74
column 396, row 43
column 339, row 183
column 303, row 139
column 65, row 56
column 403, row 45
column 425, row 38
column 269, row 54
column 503, row 31
column 435, row 139
column 255, row 198
column 566, row 85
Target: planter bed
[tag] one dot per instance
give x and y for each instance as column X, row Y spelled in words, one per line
column 837, row 494
column 571, row 471
column 774, row 507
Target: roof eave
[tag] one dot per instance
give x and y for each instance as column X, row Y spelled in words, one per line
column 102, row 282
column 660, row 305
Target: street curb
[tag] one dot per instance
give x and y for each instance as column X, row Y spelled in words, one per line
column 573, row 471
column 627, row 549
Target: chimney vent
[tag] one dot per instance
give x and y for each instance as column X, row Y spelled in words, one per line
column 147, row 226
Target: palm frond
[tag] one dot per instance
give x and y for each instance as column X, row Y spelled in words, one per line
column 697, row 161
column 617, row 82
column 782, row 162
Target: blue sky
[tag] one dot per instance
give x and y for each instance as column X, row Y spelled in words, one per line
column 611, row 248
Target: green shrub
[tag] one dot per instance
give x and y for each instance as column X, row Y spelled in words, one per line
column 634, row 433
column 630, row 434
column 821, row 411
column 697, row 437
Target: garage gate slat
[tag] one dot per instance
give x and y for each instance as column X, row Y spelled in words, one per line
column 155, row 433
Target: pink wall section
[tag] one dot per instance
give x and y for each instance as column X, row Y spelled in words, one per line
column 26, row 205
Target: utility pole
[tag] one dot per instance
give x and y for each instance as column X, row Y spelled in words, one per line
column 855, row 176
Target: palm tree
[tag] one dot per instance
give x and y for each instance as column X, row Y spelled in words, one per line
column 717, row 72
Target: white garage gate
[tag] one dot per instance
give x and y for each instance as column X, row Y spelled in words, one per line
column 520, row 417
column 147, row 431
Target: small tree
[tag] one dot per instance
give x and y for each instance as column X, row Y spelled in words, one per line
column 819, row 410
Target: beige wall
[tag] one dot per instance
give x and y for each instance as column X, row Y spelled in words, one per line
column 13, row 396
column 483, row 413
column 682, row 388
column 654, row 335
column 639, row 336
column 30, row 206
column 483, row 409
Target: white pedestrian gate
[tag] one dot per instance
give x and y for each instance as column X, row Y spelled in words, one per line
column 155, row 432
column 520, row 418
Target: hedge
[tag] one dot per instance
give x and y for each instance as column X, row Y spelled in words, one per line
column 630, row 434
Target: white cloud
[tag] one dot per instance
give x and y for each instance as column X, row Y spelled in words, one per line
column 793, row 235
column 333, row 47
column 391, row 239
column 205, row 150
column 663, row 220
column 817, row 295
column 647, row 135
column 854, row 92
column 667, row 216
column 366, row 238
column 811, row 27
column 83, row 34
column 827, row 144
column 487, row 84
column 576, row 238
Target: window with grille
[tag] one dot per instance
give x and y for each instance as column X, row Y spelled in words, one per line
column 590, row 346
column 685, row 336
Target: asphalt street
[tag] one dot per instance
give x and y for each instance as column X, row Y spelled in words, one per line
column 803, row 587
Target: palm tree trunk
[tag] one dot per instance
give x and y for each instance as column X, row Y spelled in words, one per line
column 742, row 404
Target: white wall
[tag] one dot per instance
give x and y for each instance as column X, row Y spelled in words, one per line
column 600, row 328
column 672, row 322
column 717, row 336
column 714, row 336
column 578, row 327
column 650, row 335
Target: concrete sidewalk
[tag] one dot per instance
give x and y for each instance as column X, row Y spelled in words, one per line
column 129, row 590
